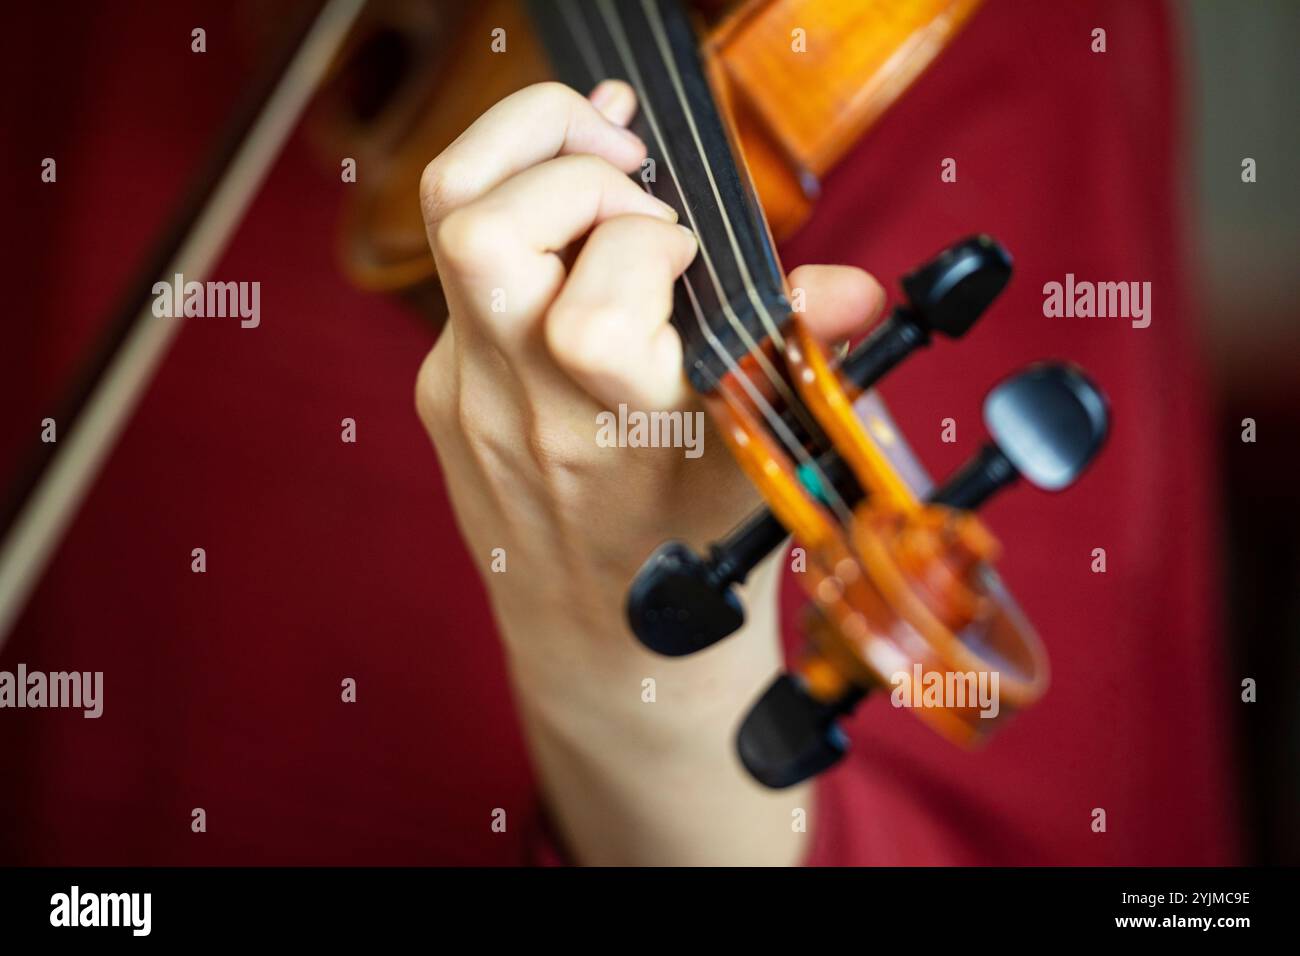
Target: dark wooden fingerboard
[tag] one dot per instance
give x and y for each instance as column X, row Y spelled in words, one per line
column 732, row 296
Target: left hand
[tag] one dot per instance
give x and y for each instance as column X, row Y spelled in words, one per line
column 541, row 341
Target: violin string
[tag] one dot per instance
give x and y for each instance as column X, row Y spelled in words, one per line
column 665, row 52
column 585, row 43
column 587, row 50
column 774, row 421
column 654, row 18
column 787, row 438
column 596, row 68
column 830, row 494
column 614, row 23
column 593, row 61
column 595, row 65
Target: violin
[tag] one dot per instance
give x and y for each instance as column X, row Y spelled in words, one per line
column 740, row 124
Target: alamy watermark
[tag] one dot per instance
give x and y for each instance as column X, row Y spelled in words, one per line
column 635, row 429
column 226, row 300
column 78, row 690
column 75, row 908
column 1103, row 300
column 946, row 689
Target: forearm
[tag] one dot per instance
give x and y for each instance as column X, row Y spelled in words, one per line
column 646, row 774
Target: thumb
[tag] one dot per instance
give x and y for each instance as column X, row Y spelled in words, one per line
column 838, row 301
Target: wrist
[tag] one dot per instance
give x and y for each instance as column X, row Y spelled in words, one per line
column 579, row 667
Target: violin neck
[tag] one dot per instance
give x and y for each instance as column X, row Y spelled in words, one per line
column 732, row 298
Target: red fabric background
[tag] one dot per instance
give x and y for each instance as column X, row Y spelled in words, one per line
column 329, row 560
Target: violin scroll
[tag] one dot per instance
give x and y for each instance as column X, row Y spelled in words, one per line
column 923, row 598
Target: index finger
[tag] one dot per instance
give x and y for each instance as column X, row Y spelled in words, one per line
column 535, row 124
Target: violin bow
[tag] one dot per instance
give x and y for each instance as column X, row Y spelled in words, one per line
column 52, row 488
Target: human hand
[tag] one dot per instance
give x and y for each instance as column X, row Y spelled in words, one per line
column 558, row 272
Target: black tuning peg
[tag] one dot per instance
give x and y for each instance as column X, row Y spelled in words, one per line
column 947, row 295
column 1047, row 424
column 679, row 602
column 789, row 735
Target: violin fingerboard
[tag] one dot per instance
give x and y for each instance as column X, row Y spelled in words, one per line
column 732, row 298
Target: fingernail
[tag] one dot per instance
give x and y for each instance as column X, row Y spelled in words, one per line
column 602, row 94
column 666, row 210
column 615, row 101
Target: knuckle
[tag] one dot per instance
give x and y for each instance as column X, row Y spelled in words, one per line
column 426, row 391
column 437, row 188
column 465, row 418
column 431, row 391
column 559, row 454
column 492, row 440
column 553, row 95
column 579, row 339
column 466, row 236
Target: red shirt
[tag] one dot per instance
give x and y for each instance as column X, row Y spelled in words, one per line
column 329, row 560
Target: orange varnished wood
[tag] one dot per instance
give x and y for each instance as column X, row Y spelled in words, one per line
column 819, row 74
column 787, row 198
column 769, row 467
column 820, row 390
column 382, row 243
